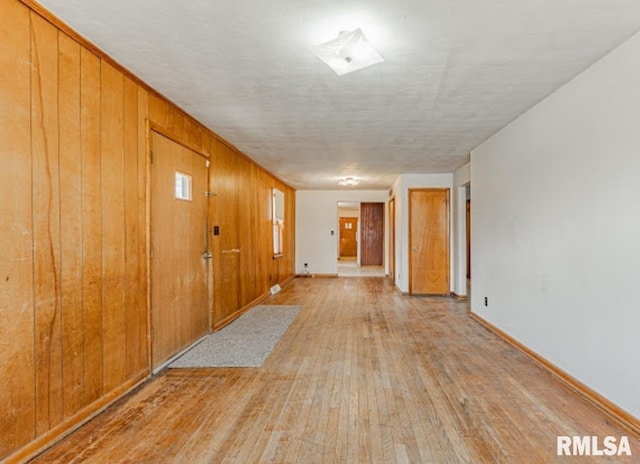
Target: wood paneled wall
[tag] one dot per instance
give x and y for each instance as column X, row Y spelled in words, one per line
column 72, row 307
column 244, row 266
column 74, row 231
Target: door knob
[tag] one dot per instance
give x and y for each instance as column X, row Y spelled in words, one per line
column 415, row 249
column 207, row 255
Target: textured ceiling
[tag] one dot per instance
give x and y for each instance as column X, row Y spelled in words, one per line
column 455, row 72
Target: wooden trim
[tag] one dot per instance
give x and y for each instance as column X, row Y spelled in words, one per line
column 157, row 128
column 76, row 421
column 392, row 235
column 459, row 297
column 321, row 276
column 397, row 289
column 619, row 415
column 86, row 43
column 147, row 238
column 165, row 364
column 233, row 316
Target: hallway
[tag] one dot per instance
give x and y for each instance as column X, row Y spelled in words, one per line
column 362, row 375
column 350, row 268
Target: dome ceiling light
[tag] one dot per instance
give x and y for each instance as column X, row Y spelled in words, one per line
column 348, row 181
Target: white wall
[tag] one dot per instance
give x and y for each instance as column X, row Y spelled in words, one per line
column 349, row 212
column 461, row 179
column 401, row 191
column 556, row 227
column 317, row 216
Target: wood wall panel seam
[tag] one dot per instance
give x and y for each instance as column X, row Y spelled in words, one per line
column 91, row 223
column 112, row 188
column 143, row 242
column 46, row 208
column 17, row 317
column 236, row 314
column 71, row 223
column 147, row 241
column 132, row 230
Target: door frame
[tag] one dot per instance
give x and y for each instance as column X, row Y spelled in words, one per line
column 392, row 238
column 410, row 241
column 158, row 129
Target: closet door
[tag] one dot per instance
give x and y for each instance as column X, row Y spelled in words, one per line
column 429, row 241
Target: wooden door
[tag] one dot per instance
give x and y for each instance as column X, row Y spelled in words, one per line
column 468, row 239
column 348, row 243
column 371, row 234
column 429, row 241
column 179, row 243
column 392, row 238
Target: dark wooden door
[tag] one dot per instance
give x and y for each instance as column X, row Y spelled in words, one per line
column 429, row 241
column 468, row 239
column 392, row 238
column 371, row 234
column 348, row 243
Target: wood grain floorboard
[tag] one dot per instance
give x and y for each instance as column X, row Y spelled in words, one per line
column 363, row 375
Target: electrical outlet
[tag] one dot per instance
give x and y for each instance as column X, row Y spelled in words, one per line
column 486, row 301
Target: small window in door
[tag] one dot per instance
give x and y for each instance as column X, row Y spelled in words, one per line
column 183, row 186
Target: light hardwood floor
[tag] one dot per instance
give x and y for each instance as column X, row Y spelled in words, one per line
column 362, row 375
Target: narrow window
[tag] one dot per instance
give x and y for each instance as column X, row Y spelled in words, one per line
column 277, row 211
column 183, row 186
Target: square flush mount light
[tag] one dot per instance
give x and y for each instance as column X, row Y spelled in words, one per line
column 348, row 52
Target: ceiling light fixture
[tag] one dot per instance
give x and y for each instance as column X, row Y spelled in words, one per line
column 350, row 181
column 348, row 52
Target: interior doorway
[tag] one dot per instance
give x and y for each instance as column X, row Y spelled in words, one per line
column 392, row 238
column 468, row 238
column 354, row 248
